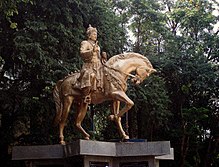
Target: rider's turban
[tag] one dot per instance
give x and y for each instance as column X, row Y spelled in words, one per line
column 91, row 29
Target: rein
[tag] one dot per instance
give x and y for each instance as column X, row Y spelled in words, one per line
column 133, row 76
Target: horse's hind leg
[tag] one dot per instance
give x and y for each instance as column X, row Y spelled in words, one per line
column 67, row 102
column 81, row 112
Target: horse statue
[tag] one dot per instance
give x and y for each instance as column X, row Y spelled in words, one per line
column 116, row 72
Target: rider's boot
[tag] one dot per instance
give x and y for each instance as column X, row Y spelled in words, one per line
column 86, row 94
column 87, row 99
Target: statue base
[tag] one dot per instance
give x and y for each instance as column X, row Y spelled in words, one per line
column 87, row 153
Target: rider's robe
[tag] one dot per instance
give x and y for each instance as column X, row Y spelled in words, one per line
column 92, row 64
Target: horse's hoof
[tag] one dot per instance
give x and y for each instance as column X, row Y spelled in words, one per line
column 87, row 138
column 126, row 137
column 62, row 143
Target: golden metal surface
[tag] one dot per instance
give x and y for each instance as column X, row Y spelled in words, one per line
column 105, row 82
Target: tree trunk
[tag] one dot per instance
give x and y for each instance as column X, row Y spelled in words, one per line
column 184, row 147
column 208, row 152
column 139, row 123
column 132, row 123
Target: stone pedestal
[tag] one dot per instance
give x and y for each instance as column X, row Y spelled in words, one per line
column 84, row 153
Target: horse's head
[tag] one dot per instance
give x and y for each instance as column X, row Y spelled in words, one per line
column 142, row 73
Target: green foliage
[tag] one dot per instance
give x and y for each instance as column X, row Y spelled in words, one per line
column 181, row 43
column 151, row 108
column 9, row 8
column 40, row 45
column 147, row 25
column 191, row 78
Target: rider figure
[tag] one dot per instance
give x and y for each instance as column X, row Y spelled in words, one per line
column 91, row 74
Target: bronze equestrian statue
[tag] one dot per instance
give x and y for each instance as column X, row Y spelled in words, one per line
column 98, row 81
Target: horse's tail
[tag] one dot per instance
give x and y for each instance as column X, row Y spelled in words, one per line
column 58, row 103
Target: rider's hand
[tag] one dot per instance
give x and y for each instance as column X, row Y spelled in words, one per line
column 96, row 47
column 104, row 57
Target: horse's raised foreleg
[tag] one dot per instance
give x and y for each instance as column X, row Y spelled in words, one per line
column 67, row 102
column 114, row 109
column 120, row 96
column 114, row 117
column 81, row 112
column 116, row 106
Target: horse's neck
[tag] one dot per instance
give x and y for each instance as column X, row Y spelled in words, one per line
column 128, row 65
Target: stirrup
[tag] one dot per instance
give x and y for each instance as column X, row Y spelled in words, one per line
column 87, row 99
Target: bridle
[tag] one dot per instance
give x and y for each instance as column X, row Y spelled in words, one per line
column 135, row 78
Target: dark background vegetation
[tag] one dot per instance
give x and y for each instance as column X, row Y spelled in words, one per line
column 39, row 44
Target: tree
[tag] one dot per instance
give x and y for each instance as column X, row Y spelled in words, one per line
column 147, row 25
column 149, row 116
column 191, row 77
column 182, row 45
column 42, row 48
column 9, row 8
column 39, row 45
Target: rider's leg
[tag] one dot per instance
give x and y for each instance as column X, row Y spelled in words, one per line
column 86, row 94
column 87, row 90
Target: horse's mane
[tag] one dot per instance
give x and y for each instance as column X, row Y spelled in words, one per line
column 115, row 78
column 130, row 55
